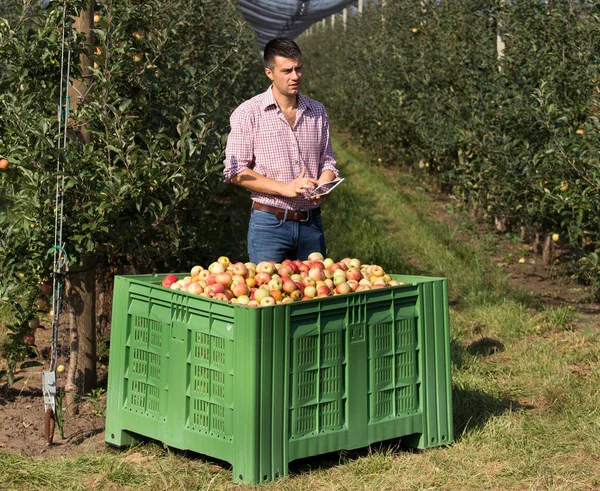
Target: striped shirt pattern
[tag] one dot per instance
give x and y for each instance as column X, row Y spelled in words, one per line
column 261, row 139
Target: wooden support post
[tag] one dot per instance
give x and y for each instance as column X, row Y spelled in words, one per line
column 360, row 6
column 344, row 17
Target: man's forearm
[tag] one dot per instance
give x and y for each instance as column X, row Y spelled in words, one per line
column 326, row 176
column 253, row 181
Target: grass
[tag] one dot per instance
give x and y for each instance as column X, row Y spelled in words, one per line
column 525, row 381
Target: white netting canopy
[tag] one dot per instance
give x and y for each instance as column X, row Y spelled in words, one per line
column 287, row 18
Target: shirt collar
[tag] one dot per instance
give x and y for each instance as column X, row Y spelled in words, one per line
column 268, row 100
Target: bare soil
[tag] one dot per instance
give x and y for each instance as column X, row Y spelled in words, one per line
column 22, row 407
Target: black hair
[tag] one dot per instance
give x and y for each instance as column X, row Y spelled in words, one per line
column 284, row 47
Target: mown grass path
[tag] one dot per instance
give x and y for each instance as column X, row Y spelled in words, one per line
column 525, row 382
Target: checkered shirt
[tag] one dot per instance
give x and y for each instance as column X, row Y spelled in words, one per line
column 261, row 139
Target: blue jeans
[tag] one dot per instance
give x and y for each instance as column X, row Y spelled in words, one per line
column 272, row 239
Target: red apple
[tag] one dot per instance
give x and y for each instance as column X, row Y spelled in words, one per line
column 239, row 268
column 240, row 289
column 353, row 274
column 343, row 288
column 288, row 285
column 168, row 280
column 323, row 291
column 224, row 278
column 262, row 278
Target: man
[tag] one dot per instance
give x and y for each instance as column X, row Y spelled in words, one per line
column 279, row 148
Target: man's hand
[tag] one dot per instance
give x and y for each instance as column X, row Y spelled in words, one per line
column 299, row 186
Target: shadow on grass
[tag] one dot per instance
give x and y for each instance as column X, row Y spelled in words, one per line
column 471, row 407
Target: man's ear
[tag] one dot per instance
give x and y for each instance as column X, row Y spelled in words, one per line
column 269, row 73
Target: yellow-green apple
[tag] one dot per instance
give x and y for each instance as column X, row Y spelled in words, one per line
column 310, row 291
column 204, row 274
column 216, row 268
column 260, row 294
column 268, row 301
column 287, row 300
column 34, row 323
column 296, row 277
column 224, row 261
column 354, row 263
column 365, row 282
column 243, row 300
column 250, row 282
column 196, row 270
column 275, row 284
column 175, row 286
column 169, row 280
column 339, row 277
column 328, row 262
column 250, row 266
column 376, row 270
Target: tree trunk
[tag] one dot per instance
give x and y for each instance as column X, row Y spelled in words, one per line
column 80, row 296
column 80, row 286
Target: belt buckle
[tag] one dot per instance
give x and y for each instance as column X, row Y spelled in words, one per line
column 307, row 215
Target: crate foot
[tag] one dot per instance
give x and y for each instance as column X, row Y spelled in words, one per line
column 416, row 440
column 120, row 439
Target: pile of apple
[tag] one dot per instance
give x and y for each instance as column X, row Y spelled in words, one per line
column 270, row 283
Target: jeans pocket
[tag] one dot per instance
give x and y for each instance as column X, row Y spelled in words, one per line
column 317, row 223
column 260, row 219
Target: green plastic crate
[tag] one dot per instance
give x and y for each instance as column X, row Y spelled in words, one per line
column 261, row 387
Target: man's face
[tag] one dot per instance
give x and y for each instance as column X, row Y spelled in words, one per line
column 286, row 76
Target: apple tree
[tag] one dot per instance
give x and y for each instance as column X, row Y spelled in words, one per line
column 139, row 169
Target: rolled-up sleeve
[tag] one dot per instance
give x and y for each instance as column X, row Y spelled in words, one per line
column 327, row 159
column 239, row 151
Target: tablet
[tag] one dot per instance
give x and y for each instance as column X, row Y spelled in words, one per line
column 325, row 188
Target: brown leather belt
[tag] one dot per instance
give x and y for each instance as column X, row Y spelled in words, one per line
column 288, row 215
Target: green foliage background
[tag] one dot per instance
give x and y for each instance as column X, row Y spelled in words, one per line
column 146, row 193
column 514, row 138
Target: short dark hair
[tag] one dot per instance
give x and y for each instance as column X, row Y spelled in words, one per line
column 280, row 47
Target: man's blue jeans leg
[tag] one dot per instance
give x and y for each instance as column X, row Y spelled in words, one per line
column 272, row 239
